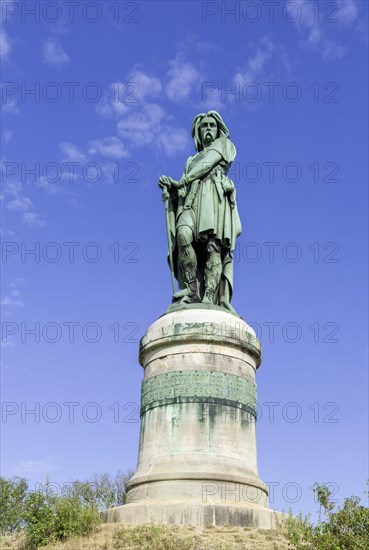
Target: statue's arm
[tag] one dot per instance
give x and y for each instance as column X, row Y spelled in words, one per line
column 203, row 166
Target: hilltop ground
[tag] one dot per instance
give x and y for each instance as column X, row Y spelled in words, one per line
column 118, row 537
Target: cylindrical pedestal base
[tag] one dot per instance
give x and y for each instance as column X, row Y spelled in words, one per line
column 197, row 455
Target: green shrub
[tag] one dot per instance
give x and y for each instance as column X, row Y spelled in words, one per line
column 13, row 493
column 39, row 517
column 298, row 528
column 47, row 517
column 345, row 529
column 72, row 518
column 102, row 490
column 50, row 518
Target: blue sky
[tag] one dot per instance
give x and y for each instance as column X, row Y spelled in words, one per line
column 116, row 86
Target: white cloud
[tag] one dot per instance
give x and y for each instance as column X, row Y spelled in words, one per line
column 7, row 232
column 14, row 199
column 34, row 219
column 48, row 186
column 183, row 78
column 348, row 12
column 255, row 65
column 111, row 147
column 141, row 127
column 41, row 466
column 10, row 107
column 145, row 86
column 10, row 301
column 4, row 45
column 72, row 153
column 150, row 125
column 20, row 203
column 195, row 46
column 54, row 55
column 17, row 281
column 123, row 96
column 112, row 104
column 142, row 121
column 314, row 36
column 12, row 188
column 268, row 61
column 173, row 140
column 13, row 299
column 7, row 136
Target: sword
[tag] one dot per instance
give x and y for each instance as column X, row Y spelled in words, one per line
column 165, row 198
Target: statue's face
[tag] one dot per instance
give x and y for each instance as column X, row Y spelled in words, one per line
column 208, row 130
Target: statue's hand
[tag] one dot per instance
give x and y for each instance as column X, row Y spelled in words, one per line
column 164, row 182
column 168, row 182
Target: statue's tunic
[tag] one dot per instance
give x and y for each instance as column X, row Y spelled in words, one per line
column 213, row 210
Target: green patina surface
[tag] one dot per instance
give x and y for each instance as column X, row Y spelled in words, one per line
column 198, row 387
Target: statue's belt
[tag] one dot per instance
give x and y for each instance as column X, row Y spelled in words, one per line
column 216, row 177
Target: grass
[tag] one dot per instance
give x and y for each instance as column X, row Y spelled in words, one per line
column 115, row 536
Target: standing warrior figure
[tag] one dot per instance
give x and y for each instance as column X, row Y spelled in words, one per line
column 202, row 217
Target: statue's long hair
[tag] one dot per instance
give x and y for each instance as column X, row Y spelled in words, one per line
column 222, row 128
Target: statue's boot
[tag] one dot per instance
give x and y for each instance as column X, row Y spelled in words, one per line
column 208, row 296
column 188, row 259
column 190, row 294
column 212, row 274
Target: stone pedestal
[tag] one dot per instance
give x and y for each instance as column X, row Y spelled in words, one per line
column 197, row 462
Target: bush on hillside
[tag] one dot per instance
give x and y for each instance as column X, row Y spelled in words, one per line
column 346, row 528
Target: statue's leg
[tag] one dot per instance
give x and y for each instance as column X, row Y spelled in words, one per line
column 213, row 269
column 188, row 261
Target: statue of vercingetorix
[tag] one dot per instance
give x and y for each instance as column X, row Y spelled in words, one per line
column 202, row 217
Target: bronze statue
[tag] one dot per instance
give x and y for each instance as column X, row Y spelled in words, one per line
column 202, row 218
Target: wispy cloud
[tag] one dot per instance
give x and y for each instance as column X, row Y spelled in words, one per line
column 113, row 103
column 195, row 46
column 141, row 127
column 7, row 136
column 183, row 79
column 48, row 186
column 4, row 44
column 10, row 107
column 256, row 63
column 173, row 140
column 14, row 200
column 72, row 153
column 123, row 96
column 42, row 466
column 147, row 86
column 12, row 300
column 32, row 218
column 20, row 203
column 348, row 12
column 267, row 61
column 314, row 31
column 150, row 125
column 110, row 147
column 141, row 119
column 54, row 55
